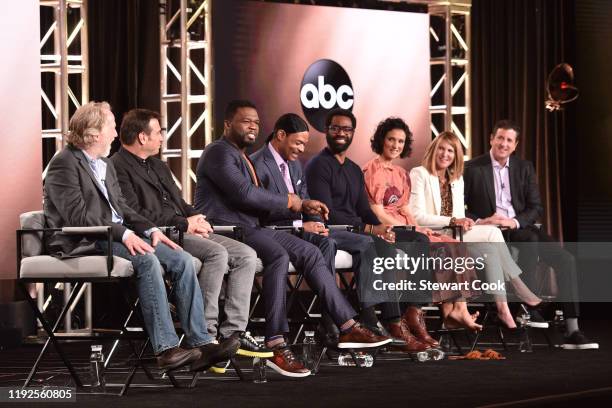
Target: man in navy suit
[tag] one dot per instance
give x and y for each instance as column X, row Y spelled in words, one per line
column 501, row 189
column 230, row 192
column 279, row 170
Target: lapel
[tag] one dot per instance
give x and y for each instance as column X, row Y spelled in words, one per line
column 274, row 171
column 434, row 185
column 514, row 176
column 85, row 165
column 110, row 181
column 293, row 175
column 487, row 175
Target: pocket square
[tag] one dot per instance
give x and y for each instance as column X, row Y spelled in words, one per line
column 298, row 182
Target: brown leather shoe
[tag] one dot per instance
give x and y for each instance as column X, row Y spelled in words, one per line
column 413, row 319
column 212, row 353
column 285, row 363
column 176, row 357
column 359, row 336
column 401, row 331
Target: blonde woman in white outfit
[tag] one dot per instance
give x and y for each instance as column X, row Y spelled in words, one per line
column 437, row 200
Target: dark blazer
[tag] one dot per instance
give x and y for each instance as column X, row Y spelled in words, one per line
column 271, row 178
column 144, row 193
column 225, row 191
column 480, row 191
column 73, row 198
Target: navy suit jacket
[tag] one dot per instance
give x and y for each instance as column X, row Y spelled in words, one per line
column 271, row 178
column 480, row 191
column 225, row 191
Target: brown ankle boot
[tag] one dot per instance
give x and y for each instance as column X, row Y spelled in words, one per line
column 414, row 321
column 401, row 332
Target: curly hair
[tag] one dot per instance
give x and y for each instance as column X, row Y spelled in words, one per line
column 86, row 123
column 377, row 141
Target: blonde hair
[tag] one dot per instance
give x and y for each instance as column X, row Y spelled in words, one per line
column 86, row 123
column 455, row 170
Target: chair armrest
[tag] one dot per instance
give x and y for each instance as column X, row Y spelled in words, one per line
column 404, row 227
column 456, row 229
column 169, row 229
column 341, row 227
column 96, row 230
column 299, row 231
column 230, row 230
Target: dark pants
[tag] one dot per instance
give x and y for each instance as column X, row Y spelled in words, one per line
column 364, row 248
column 276, row 249
column 553, row 255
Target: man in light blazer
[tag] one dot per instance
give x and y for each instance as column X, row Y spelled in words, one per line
column 81, row 189
column 501, row 189
column 149, row 189
column 230, row 192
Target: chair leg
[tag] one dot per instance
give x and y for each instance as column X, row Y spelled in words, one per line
column 50, row 332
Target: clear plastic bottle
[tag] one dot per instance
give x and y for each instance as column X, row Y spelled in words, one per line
column 365, row 360
column 421, row 356
column 559, row 321
column 259, row 370
column 436, row 354
column 96, row 369
column 525, row 345
column 309, row 348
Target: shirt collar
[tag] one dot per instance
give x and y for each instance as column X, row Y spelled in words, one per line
column 277, row 157
column 89, row 158
column 140, row 160
column 497, row 164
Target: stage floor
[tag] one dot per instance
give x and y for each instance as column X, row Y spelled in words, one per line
column 545, row 377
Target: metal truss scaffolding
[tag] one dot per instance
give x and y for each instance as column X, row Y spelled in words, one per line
column 63, row 64
column 64, row 87
column 186, row 66
column 450, row 39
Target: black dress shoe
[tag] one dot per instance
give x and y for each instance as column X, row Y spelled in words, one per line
column 176, row 357
column 216, row 352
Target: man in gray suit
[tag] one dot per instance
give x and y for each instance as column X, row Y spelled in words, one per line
column 81, row 189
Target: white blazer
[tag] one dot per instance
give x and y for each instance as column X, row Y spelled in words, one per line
column 426, row 201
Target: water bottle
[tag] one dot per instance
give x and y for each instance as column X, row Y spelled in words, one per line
column 559, row 321
column 523, row 320
column 308, row 350
column 421, row 356
column 96, row 367
column 436, row 354
column 446, row 342
column 346, row 360
column 259, row 370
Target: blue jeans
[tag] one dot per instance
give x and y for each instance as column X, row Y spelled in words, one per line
column 178, row 265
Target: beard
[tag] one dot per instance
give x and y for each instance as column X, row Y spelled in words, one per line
column 337, row 148
column 241, row 139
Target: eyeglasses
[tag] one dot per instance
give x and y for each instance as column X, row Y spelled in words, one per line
column 338, row 129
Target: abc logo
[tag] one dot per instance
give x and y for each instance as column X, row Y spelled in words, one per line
column 325, row 86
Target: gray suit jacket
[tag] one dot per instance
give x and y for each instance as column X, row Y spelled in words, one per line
column 73, row 198
column 225, row 191
column 272, row 179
